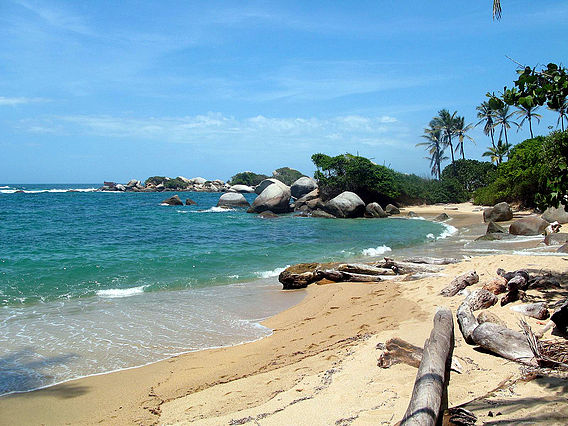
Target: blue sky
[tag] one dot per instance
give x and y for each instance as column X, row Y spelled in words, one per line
column 101, row 90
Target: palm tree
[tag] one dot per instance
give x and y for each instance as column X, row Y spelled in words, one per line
column 460, row 132
column 486, row 115
column 562, row 111
column 435, row 147
column 497, row 9
column 498, row 152
column 504, row 119
column 446, row 122
column 528, row 113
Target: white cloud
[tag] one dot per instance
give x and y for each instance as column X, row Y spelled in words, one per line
column 18, row 101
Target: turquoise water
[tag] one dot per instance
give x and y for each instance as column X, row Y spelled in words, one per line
column 92, row 282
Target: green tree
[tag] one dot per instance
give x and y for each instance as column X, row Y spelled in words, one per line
column 287, row 175
column 562, row 111
column 471, row 174
column 247, row 178
column 435, row 148
column 504, row 118
column 527, row 113
column 446, row 122
column 461, row 132
column 497, row 152
column 486, row 115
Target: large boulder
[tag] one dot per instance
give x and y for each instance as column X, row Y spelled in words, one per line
column 500, row 212
column 190, row 202
column 232, row 199
column 558, row 238
column 173, row 201
column 243, row 189
column 556, row 214
column 132, row 183
column 275, row 197
column 266, row 183
column 441, row 217
column 302, row 201
column 391, row 209
column 184, row 179
column 197, row 181
column 530, row 225
column 303, row 186
column 493, row 228
column 374, row 210
column 347, row 204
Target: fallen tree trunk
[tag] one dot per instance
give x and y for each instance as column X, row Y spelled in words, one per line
column 504, row 342
column 340, row 276
column 404, row 268
column 431, row 260
column 459, row 283
column 362, row 268
column 478, row 299
column 534, row 310
column 432, row 377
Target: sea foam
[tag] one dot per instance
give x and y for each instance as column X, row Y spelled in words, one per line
column 121, row 292
column 376, row 251
column 274, row 273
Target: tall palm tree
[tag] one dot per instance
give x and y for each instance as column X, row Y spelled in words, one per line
column 504, row 119
column 498, row 152
column 562, row 111
column 435, row 147
column 486, row 115
column 460, row 131
column 497, row 9
column 446, row 122
column 528, row 113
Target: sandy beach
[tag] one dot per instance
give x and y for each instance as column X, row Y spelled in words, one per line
column 320, row 364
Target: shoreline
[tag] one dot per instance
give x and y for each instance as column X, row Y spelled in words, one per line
column 157, row 388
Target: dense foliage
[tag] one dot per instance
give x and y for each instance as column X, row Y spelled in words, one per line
column 155, row 180
column 287, row 175
column 176, row 183
column 556, row 161
column 470, row 174
column 247, row 178
column 522, row 179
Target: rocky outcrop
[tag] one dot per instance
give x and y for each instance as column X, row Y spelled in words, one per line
column 493, row 228
column 243, row 189
column 374, row 210
column 391, row 209
column 266, row 183
column 173, row 201
column 500, row 212
column 530, row 225
column 557, row 238
column 558, row 214
column 303, row 186
column 303, row 203
column 441, row 217
column 323, row 214
column 190, row 202
column 268, row 215
column 345, row 205
column 197, row 181
column 275, row 197
column 232, row 199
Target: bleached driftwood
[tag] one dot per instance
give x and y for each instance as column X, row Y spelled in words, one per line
column 513, row 296
column 404, row 268
column 478, row 299
column 534, row 310
column 340, row 276
column 432, row 377
column 431, row 260
column 459, row 283
column 362, row 268
column 504, row 342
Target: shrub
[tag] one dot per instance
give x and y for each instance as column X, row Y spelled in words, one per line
column 155, row 180
column 287, row 175
column 471, row 174
column 247, row 178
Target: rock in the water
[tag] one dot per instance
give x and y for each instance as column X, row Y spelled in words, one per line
column 173, row 201
column 563, row 249
column 556, row 239
column 530, row 225
column 412, row 214
column 391, row 209
column 243, row 189
column 321, row 213
column 558, row 214
column 197, row 181
column 374, row 210
column 266, row 183
column 500, row 212
column 345, row 205
column 232, row 199
column 268, row 215
column 190, row 202
column 493, row 228
column 275, row 197
column 495, row 236
column 132, row 183
column 303, row 201
column 120, row 187
column 441, row 217
column 303, row 186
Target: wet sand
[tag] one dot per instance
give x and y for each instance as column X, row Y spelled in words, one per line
column 318, row 367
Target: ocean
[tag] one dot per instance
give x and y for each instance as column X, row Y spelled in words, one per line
column 92, row 282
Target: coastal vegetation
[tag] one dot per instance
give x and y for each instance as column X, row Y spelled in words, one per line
column 247, row 178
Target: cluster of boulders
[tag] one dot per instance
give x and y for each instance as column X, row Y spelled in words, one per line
column 197, row 184
column 531, row 225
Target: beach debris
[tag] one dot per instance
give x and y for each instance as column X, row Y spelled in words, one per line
column 459, row 283
column 497, row 285
column 362, row 268
column 432, row 260
column 513, row 296
column 173, row 201
column 504, row 342
column 476, row 300
column 500, row 212
column 486, row 316
column 534, row 310
column 432, row 377
column 460, row 416
column 404, row 268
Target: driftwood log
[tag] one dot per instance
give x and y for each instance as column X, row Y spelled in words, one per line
column 478, row 299
column 504, row 342
column 513, row 296
column 398, row 351
column 362, row 268
column 431, row 260
column 459, row 283
column 404, row 268
column 534, row 310
column 429, row 390
column 340, row 276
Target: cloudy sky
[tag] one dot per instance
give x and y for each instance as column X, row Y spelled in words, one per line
column 99, row 90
